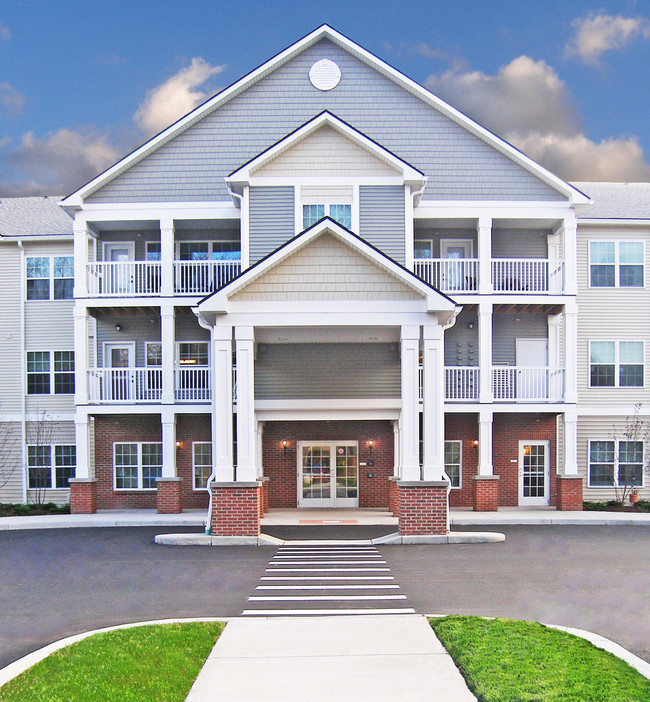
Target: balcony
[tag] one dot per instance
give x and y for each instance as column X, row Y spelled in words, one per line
column 142, row 385
column 144, row 278
column 522, row 276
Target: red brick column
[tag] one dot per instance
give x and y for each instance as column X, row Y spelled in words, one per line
column 235, row 509
column 486, row 493
column 264, row 496
column 569, row 493
column 392, row 495
column 422, row 507
column 169, row 495
column 83, row 496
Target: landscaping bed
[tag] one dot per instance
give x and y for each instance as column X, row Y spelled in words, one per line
column 616, row 506
column 28, row 510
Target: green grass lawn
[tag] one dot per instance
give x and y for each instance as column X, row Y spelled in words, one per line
column 156, row 663
column 504, row 660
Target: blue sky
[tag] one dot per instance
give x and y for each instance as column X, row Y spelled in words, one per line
column 82, row 83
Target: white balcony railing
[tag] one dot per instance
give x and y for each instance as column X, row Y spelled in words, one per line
column 519, row 384
column 459, row 275
column 124, row 278
column 124, row 385
column 203, row 277
column 192, row 384
column 527, row 275
column 461, row 383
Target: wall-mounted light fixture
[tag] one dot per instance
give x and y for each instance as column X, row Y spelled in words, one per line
column 371, row 443
column 118, row 327
column 475, row 443
column 179, row 444
column 470, row 325
column 285, row 443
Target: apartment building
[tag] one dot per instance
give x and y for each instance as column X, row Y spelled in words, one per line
column 326, row 287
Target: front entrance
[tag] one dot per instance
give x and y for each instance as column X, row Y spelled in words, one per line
column 328, row 474
column 534, row 472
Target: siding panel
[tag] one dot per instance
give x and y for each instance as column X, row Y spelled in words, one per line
column 382, row 219
column 272, row 219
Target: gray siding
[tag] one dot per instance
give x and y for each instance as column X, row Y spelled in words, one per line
column 10, row 328
column 437, row 235
column 507, row 328
column 519, row 243
column 192, row 166
column 461, row 343
column 11, row 462
column 326, row 371
column 382, row 219
column 272, row 219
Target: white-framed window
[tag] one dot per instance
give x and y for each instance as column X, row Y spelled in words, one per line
column 616, row 264
column 153, row 251
column 50, row 372
column 423, row 248
column 137, row 465
column 51, row 466
column 202, row 463
column 614, row 462
column 616, row 364
column 153, row 353
column 454, row 462
column 50, row 277
column 193, row 353
column 340, row 213
column 219, row 250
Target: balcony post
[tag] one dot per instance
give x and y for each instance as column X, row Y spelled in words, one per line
column 167, row 343
column 246, row 442
column 485, row 352
column 82, row 470
column 569, row 231
column 80, row 229
column 410, row 435
column 167, row 257
column 222, row 414
column 433, row 395
column 80, row 322
column 485, row 255
column 168, row 421
column 485, row 442
column 571, row 352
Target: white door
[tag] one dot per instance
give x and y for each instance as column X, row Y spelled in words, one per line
column 119, row 278
column 534, row 462
column 532, row 359
column 120, row 380
column 456, row 274
column 328, row 474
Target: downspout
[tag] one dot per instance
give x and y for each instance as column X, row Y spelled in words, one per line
column 207, row 528
column 23, row 373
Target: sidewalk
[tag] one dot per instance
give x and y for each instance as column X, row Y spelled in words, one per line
column 357, row 659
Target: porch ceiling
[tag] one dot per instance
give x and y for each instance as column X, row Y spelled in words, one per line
column 529, row 308
column 330, row 335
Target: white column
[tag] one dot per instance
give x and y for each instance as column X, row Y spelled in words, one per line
column 83, row 446
column 259, row 435
column 167, row 257
column 244, row 348
column 485, row 351
column 244, row 229
column 168, row 421
column 222, row 449
column 485, row 255
column 167, row 340
column 80, row 249
column 433, row 413
column 396, row 448
column 410, row 438
column 80, row 321
column 570, row 255
column 570, row 442
column 485, row 442
column 571, row 353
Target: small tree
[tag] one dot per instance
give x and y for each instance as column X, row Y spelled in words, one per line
column 39, row 436
column 8, row 462
column 632, row 457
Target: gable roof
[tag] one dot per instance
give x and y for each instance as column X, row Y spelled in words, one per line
column 75, row 199
column 33, row 216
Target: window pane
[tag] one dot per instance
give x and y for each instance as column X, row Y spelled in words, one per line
column 193, row 354
column 601, row 451
column 453, row 461
column 64, row 372
column 603, row 276
column 631, row 276
column 194, row 250
column 151, row 465
column 630, row 451
column 38, row 289
column 630, row 474
column 602, row 252
column 64, row 289
column 38, row 267
column 65, row 461
column 38, row 361
column 202, row 464
column 603, row 352
column 63, row 267
column 631, row 376
column 630, row 252
column 126, row 466
column 342, row 214
column 39, row 461
column 312, row 214
column 226, row 251
column 153, row 251
column 154, row 353
column 601, row 475
column 423, row 249
column 631, row 351
column 63, row 361
column 602, row 376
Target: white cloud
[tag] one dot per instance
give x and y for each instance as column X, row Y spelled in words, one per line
column 597, row 33
column 528, row 104
column 11, row 101
column 57, row 163
column 175, row 97
column 5, row 33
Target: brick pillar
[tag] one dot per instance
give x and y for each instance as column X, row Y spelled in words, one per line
column 486, row 493
column 569, row 493
column 264, row 496
column 83, row 496
column 392, row 495
column 235, row 509
column 169, row 495
column 422, row 507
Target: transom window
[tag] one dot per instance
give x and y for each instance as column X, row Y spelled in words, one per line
column 193, row 353
column 202, row 461
column 209, row 250
column 50, row 372
column 614, row 463
column 453, row 462
column 51, row 466
column 339, row 213
column 50, row 277
column 616, row 364
column 616, row 264
column 137, row 465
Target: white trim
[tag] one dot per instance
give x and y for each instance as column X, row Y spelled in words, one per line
column 617, row 264
column 460, row 464
column 209, row 466
column 617, row 363
column 545, row 500
column 138, row 467
column 333, row 501
column 465, row 243
column 616, row 463
column 52, row 466
column 110, row 245
column 108, row 345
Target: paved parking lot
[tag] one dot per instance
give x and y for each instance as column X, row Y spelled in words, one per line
column 59, row 582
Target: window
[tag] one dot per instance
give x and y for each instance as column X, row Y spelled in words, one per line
column 616, row 264
column 339, row 213
column 50, row 277
column 51, row 466
column 153, row 353
column 202, row 460
column 453, row 462
column 137, row 465
column 423, row 248
column 614, row 462
column 50, row 370
column 153, row 251
column 616, row 364
column 193, row 353
column 209, row 250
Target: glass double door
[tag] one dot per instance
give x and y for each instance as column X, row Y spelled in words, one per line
column 328, row 474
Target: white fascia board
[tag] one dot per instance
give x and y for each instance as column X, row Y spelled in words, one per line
column 614, row 222
column 36, row 237
column 471, row 209
column 106, row 212
column 245, row 173
column 322, row 318
column 328, row 180
column 269, row 410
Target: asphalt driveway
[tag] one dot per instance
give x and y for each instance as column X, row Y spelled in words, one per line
column 55, row 583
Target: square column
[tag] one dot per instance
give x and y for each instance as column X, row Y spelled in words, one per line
column 485, row 351
column 247, row 470
column 484, row 231
column 571, row 352
column 167, row 257
column 410, row 419
column 235, row 509
column 80, row 229
column 433, row 394
column 167, row 342
column 486, row 485
column 422, row 507
column 80, row 321
column 222, row 399
column 569, row 231
column 168, row 421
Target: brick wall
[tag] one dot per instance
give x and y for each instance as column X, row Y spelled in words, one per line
column 422, row 509
column 464, row 428
column 235, row 511
column 189, row 428
column 569, row 493
column 281, row 469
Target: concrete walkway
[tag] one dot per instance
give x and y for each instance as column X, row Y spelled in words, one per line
column 357, row 659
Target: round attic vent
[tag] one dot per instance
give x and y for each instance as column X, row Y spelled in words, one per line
column 325, row 75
